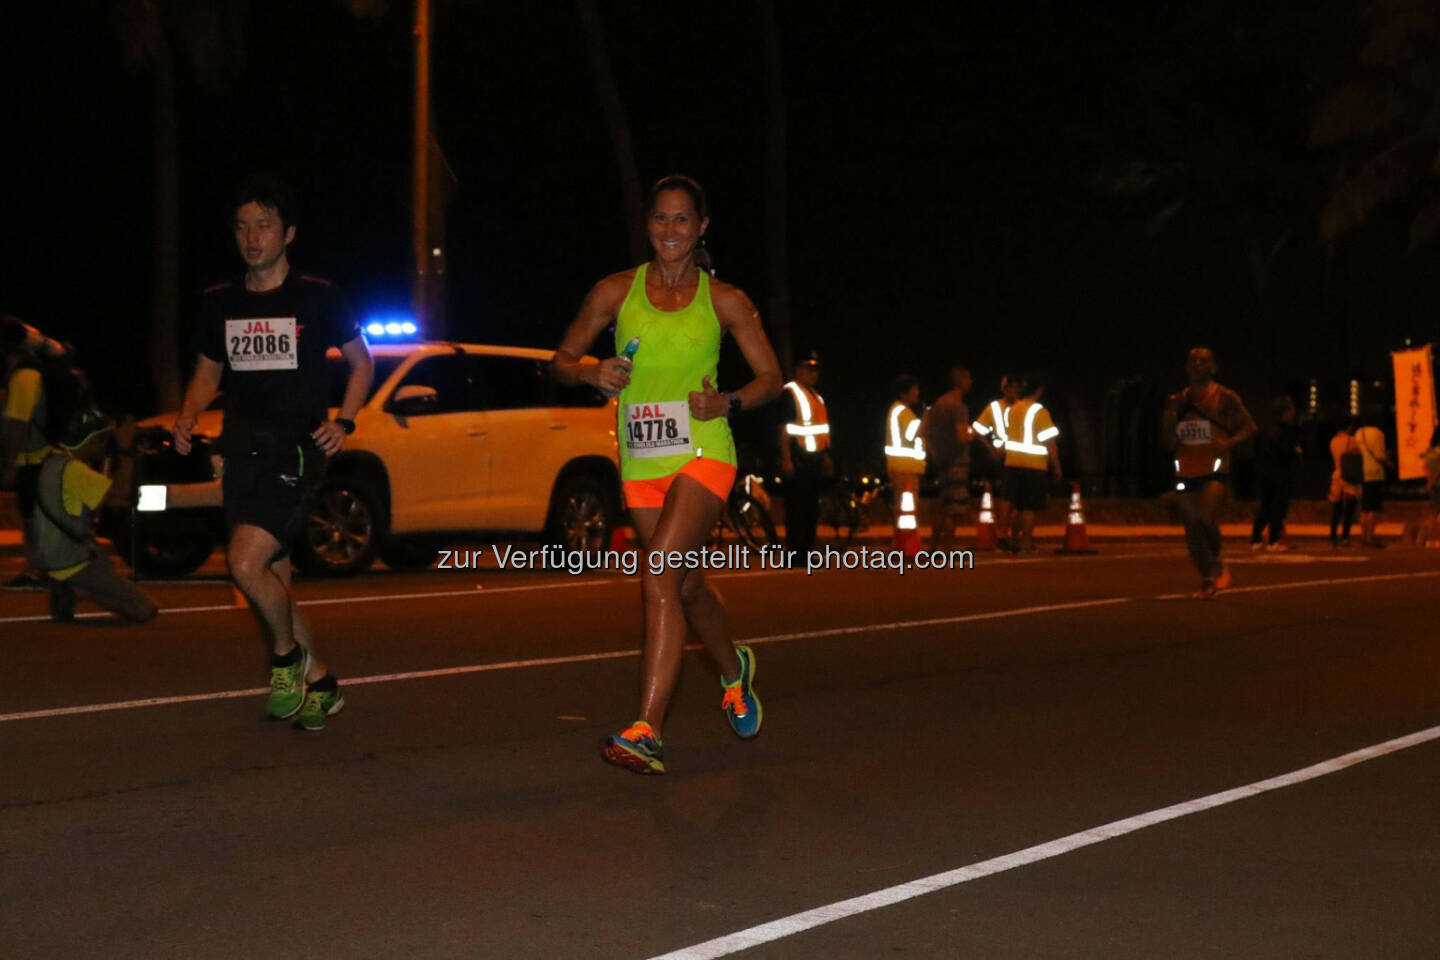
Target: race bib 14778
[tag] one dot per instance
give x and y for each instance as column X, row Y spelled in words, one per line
column 262, row 343
column 657, row 429
column 1193, row 432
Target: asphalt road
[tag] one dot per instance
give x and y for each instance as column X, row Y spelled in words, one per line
column 916, row 725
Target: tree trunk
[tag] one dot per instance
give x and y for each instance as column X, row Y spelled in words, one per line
column 778, row 307
column 165, row 266
column 619, row 128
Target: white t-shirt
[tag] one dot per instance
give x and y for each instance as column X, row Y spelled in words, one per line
column 1371, row 441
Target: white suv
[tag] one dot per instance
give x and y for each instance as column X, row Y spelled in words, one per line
column 454, row 439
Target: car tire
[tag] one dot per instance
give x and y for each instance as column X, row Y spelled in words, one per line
column 164, row 557
column 582, row 514
column 343, row 525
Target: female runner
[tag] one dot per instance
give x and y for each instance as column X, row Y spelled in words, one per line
column 677, row 456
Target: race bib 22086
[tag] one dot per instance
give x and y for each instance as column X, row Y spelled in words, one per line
column 657, row 429
column 1193, row 432
column 262, row 343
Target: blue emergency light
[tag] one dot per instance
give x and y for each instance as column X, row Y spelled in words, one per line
column 391, row 328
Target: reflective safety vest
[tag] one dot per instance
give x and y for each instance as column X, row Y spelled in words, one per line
column 1030, row 427
column 811, row 431
column 904, row 447
column 992, row 423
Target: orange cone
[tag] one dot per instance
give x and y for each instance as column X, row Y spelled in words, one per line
column 907, row 526
column 1076, row 539
column 985, row 524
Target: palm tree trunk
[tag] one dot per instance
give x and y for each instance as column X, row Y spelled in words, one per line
column 619, row 127
column 165, row 266
column 778, row 306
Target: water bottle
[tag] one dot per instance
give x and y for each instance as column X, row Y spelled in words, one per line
column 628, row 353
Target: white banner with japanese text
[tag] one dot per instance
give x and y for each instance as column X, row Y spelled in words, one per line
column 1414, row 408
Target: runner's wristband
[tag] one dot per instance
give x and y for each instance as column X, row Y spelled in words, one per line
column 734, row 400
column 346, row 424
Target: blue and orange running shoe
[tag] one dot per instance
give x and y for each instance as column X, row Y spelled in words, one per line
column 740, row 703
column 636, row 749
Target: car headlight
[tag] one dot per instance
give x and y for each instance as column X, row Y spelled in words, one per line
column 152, row 497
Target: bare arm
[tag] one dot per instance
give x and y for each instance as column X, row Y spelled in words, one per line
column 204, row 384
column 601, row 307
column 739, row 316
column 330, row 436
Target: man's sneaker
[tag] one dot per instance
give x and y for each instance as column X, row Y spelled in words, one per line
column 1223, row 579
column 1206, row 591
column 636, row 749
column 741, row 705
column 1256, row 546
column 287, row 687
column 318, row 705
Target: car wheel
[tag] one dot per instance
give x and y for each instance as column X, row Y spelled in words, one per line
column 164, row 557
column 582, row 515
column 342, row 529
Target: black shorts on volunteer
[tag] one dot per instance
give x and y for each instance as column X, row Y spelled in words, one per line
column 955, row 483
column 1029, row 489
column 1372, row 496
column 271, row 490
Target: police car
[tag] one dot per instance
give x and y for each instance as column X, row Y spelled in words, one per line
column 454, row 439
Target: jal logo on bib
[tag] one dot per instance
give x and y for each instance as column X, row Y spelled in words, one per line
column 1193, row 432
column 657, row 429
column 261, row 343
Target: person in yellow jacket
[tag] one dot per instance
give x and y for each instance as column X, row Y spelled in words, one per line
column 905, row 459
column 804, row 455
column 991, row 427
column 1031, row 458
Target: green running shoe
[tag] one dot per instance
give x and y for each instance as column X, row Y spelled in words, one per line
column 741, row 703
column 287, row 688
column 636, row 749
column 319, row 704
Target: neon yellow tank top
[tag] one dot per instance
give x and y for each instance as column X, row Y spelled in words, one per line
column 678, row 349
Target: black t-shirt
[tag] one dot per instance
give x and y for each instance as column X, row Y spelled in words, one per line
column 273, row 347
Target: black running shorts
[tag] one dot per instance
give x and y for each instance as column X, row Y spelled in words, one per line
column 270, row 491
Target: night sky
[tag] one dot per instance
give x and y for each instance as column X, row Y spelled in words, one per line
column 1085, row 190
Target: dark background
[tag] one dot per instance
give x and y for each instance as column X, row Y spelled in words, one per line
column 1084, row 190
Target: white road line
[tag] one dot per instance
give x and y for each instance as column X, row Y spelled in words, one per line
column 796, row 923
column 616, row 654
column 553, row 661
column 1300, row 584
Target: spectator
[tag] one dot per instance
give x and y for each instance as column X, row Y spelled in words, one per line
column 1371, row 441
column 1277, row 451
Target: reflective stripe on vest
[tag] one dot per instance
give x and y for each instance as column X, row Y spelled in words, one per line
column 908, row 445
column 1001, row 416
column 810, row 427
column 1031, row 443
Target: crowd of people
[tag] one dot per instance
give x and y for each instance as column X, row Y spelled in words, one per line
column 266, row 332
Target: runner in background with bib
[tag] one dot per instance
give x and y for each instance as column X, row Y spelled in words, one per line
column 268, row 333
column 677, row 456
column 1203, row 423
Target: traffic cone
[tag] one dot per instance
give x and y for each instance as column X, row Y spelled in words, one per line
column 619, row 539
column 907, row 527
column 1076, row 539
column 985, row 525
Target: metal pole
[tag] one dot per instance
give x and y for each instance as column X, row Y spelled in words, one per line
column 420, row 200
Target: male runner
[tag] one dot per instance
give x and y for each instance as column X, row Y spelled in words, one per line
column 267, row 333
column 1203, row 423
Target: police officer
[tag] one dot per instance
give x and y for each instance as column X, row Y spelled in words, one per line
column 804, row 454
